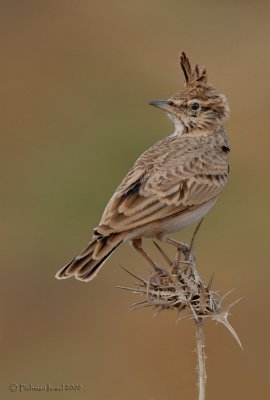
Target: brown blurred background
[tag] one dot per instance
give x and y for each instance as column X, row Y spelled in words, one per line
column 76, row 77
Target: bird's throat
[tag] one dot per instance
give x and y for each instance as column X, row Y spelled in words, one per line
column 178, row 125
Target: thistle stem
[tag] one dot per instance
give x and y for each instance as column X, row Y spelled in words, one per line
column 200, row 358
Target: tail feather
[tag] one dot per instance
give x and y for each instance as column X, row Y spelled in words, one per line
column 86, row 266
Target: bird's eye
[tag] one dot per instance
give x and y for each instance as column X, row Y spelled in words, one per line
column 195, row 106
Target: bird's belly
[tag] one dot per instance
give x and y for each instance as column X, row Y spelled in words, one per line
column 182, row 221
column 164, row 228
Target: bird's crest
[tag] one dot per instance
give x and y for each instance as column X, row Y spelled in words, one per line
column 197, row 76
column 196, row 85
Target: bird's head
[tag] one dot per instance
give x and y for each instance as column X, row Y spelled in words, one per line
column 198, row 106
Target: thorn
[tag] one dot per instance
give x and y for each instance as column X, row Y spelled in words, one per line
column 139, row 305
column 210, row 281
column 195, row 316
column 222, row 318
column 230, row 306
column 179, row 319
column 134, row 275
column 167, row 259
column 158, row 311
column 133, row 290
column 192, row 243
column 224, row 296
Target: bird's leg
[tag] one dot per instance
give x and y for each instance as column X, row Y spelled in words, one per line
column 137, row 244
column 183, row 250
column 181, row 247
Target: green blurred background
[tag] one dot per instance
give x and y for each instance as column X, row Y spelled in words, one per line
column 76, row 77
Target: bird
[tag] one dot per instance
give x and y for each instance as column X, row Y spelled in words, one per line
column 173, row 184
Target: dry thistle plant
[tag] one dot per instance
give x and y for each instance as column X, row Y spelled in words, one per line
column 182, row 289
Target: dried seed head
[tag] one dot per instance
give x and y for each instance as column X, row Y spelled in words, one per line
column 181, row 288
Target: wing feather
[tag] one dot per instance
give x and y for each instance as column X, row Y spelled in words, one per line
column 164, row 184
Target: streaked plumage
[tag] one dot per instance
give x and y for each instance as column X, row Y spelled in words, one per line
column 174, row 183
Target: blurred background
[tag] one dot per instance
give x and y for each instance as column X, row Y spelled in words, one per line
column 76, row 78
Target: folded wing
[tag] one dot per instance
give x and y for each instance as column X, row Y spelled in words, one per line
column 163, row 185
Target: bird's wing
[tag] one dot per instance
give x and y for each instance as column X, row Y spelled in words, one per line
column 168, row 179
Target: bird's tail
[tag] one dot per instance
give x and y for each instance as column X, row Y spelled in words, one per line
column 86, row 266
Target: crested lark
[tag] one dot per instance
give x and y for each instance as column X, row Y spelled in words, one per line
column 173, row 184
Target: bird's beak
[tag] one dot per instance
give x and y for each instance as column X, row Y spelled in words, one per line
column 165, row 105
